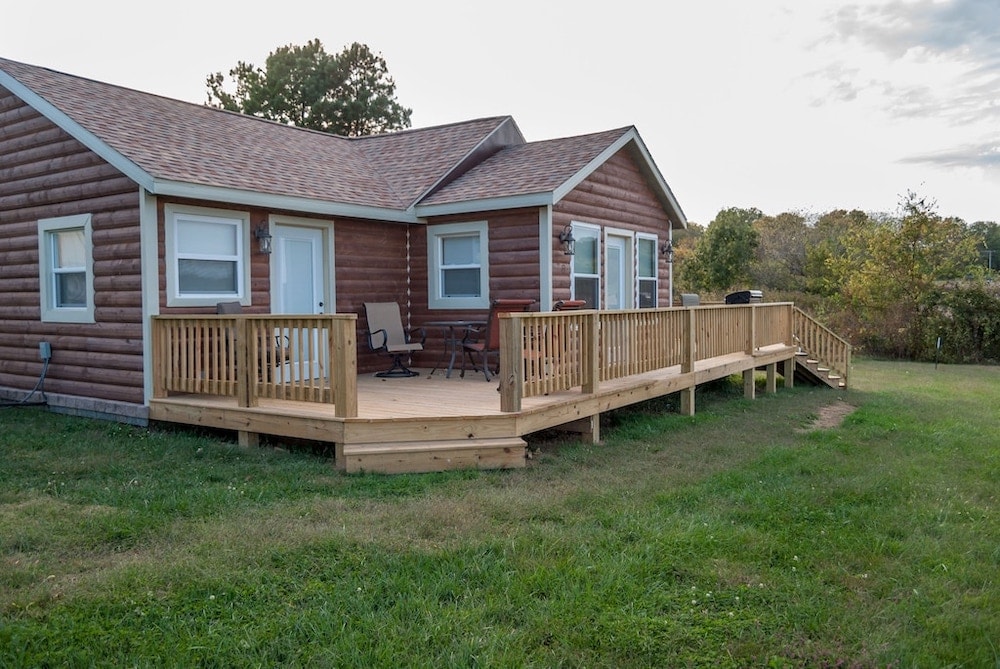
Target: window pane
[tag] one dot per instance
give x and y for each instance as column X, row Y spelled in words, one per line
column 647, row 258
column 585, row 288
column 71, row 289
column 69, row 248
column 460, row 283
column 206, row 276
column 585, row 261
column 206, row 238
column 647, row 293
column 460, row 250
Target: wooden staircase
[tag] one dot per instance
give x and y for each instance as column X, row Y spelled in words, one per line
column 812, row 371
column 823, row 357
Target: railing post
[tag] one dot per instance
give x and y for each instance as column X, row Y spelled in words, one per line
column 511, row 362
column 161, row 353
column 688, row 360
column 751, row 343
column 342, row 352
column 246, row 365
column 790, row 326
column 689, row 342
column 590, row 358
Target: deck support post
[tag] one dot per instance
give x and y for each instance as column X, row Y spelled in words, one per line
column 589, row 428
column 687, row 401
column 772, row 378
column 788, row 371
column 749, row 385
column 594, row 433
column 248, row 439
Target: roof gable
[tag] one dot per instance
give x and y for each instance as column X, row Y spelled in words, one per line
column 171, row 147
column 542, row 173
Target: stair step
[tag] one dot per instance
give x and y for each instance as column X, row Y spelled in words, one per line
column 428, row 456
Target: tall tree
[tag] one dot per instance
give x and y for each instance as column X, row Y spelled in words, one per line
column 780, row 260
column 723, row 254
column 350, row 93
column 825, row 245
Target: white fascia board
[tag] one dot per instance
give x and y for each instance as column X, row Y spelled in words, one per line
column 78, row 132
column 486, row 204
column 273, row 201
column 654, row 171
column 564, row 189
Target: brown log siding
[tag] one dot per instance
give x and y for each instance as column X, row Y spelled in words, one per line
column 514, row 269
column 615, row 195
column 45, row 173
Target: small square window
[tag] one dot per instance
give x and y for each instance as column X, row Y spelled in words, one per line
column 459, row 266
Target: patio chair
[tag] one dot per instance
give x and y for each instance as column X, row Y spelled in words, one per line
column 282, row 346
column 485, row 342
column 386, row 335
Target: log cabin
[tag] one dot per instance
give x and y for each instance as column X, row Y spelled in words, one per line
column 127, row 217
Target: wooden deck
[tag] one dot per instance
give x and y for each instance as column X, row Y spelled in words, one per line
column 296, row 376
column 430, row 423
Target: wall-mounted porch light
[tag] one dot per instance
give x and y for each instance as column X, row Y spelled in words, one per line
column 263, row 240
column 568, row 241
column 667, row 251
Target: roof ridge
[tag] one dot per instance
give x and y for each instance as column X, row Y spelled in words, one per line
column 167, row 98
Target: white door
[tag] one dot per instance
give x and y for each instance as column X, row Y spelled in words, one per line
column 618, row 268
column 297, row 287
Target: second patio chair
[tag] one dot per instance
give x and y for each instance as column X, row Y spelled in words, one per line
column 485, row 342
column 386, row 335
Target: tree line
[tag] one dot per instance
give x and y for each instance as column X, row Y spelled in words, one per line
column 912, row 285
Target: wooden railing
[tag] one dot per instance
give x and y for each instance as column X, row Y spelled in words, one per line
column 542, row 353
column 822, row 343
column 314, row 358
column 304, row 358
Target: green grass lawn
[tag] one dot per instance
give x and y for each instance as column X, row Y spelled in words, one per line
column 741, row 536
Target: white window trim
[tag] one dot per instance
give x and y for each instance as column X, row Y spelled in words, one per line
column 49, row 311
column 434, row 235
column 656, row 264
column 241, row 220
column 576, row 225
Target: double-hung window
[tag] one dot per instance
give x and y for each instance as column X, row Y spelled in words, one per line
column 458, row 266
column 66, row 269
column 646, row 271
column 206, row 257
column 586, row 264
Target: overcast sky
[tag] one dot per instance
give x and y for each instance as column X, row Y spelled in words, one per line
column 783, row 105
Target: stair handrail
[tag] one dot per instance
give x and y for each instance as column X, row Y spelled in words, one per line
column 833, row 350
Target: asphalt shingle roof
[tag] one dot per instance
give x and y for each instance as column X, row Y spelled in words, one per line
column 179, row 142
column 537, row 167
column 184, row 142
